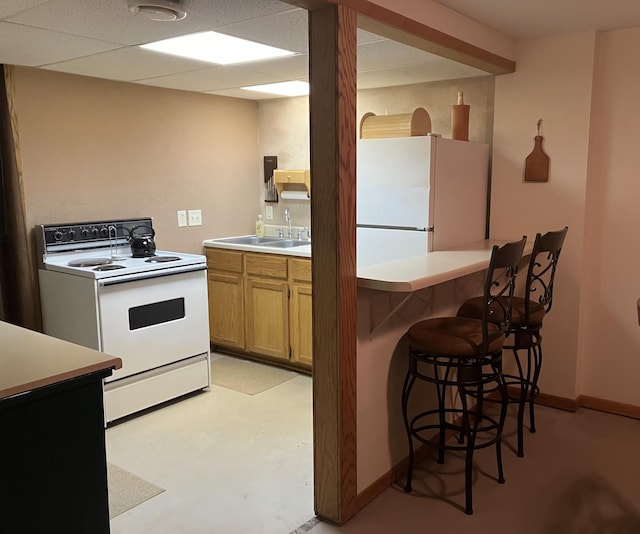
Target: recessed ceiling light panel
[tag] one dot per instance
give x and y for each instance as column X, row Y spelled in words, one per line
column 293, row 88
column 158, row 10
column 216, row 48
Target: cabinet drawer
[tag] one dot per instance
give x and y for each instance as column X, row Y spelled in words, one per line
column 290, row 176
column 224, row 260
column 266, row 265
column 300, row 270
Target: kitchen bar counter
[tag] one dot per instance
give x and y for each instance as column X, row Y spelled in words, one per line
column 52, row 453
column 419, row 272
column 391, row 298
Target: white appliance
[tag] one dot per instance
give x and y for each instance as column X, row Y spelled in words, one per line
column 418, row 194
column 150, row 311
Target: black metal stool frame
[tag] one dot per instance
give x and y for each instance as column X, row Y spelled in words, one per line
column 526, row 334
column 469, row 373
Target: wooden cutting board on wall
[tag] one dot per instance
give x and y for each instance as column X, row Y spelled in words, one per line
column 536, row 165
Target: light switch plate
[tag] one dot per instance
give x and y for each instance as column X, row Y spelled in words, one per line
column 182, row 218
column 195, row 217
column 268, row 213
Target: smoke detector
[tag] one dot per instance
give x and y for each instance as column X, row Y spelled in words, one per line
column 159, row 10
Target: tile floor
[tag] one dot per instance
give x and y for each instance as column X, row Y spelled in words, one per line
column 241, row 464
column 229, row 462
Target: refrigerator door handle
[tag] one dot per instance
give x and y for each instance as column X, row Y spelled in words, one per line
column 386, row 227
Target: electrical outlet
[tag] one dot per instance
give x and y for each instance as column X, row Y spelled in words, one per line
column 268, row 213
column 195, row 217
column 182, row 218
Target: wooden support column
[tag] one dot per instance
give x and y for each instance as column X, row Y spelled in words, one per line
column 332, row 103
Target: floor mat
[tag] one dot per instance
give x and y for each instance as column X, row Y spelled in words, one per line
column 127, row 490
column 245, row 376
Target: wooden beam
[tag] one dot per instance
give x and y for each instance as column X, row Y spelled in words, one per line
column 332, row 104
column 382, row 21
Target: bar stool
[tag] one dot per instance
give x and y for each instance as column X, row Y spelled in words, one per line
column 463, row 355
column 527, row 315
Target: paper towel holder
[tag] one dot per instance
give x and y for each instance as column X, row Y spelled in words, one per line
column 293, row 184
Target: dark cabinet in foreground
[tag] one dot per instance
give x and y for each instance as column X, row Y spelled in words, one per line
column 53, row 475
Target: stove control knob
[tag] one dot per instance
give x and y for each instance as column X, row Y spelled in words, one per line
column 71, row 235
column 57, row 235
column 104, row 232
column 94, row 232
column 84, row 233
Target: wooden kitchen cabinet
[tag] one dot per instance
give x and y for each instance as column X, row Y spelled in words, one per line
column 226, row 297
column 267, row 317
column 267, row 305
column 260, row 305
column 301, row 305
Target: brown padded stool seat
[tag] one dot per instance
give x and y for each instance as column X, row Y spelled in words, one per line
column 454, row 336
column 473, row 308
column 462, row 357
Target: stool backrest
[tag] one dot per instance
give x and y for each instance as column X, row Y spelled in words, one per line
column 499, row 287
column 542, row 269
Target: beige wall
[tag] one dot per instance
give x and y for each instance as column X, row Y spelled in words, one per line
column 552, row 82
column 583, row 87
column 284, row 132
column 437, row 98
column 284, row 124
column 94, row 149
column 609, row 334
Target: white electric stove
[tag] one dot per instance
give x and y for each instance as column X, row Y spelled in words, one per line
column 150, row 311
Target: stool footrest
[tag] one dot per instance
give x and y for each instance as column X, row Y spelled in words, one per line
column 486, row 425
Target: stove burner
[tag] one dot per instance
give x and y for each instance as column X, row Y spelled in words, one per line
column 162, row 259
column 108, row 267
column 89, row 262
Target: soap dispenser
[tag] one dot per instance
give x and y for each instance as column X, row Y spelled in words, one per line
column 259, row 227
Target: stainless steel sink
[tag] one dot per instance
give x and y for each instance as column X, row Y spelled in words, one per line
column 249, row 240
column 287, row 243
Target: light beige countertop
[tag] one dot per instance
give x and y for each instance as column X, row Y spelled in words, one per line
column 31, row 360
column 300, row 250
column 406, row 275
column 418, row 272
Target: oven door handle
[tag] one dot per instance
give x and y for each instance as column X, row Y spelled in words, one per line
column 151, row 274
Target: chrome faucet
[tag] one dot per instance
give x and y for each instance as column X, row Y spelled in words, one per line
column 287, row 217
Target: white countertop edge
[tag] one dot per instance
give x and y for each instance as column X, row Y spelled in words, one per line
column 302, row 251
column 432, row 268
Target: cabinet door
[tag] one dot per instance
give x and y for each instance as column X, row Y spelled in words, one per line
column 267, row 317
column 301, row 324
column 226, row 310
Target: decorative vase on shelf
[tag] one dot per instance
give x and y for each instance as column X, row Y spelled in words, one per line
column 460, row 119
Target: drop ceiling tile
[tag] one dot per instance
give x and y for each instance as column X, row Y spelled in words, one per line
column 381, row 54
column 288, row 30
column 224, row 12
column 417, row 73
column 244, row 95
column 292, row 67
column 110, row 19
column 11, row 7
column 22, row 45
column 107, row 32
column 212, row 79
column 128, row 64
column 367, row 37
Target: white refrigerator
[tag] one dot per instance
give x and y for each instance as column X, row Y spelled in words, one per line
column 418, row 194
